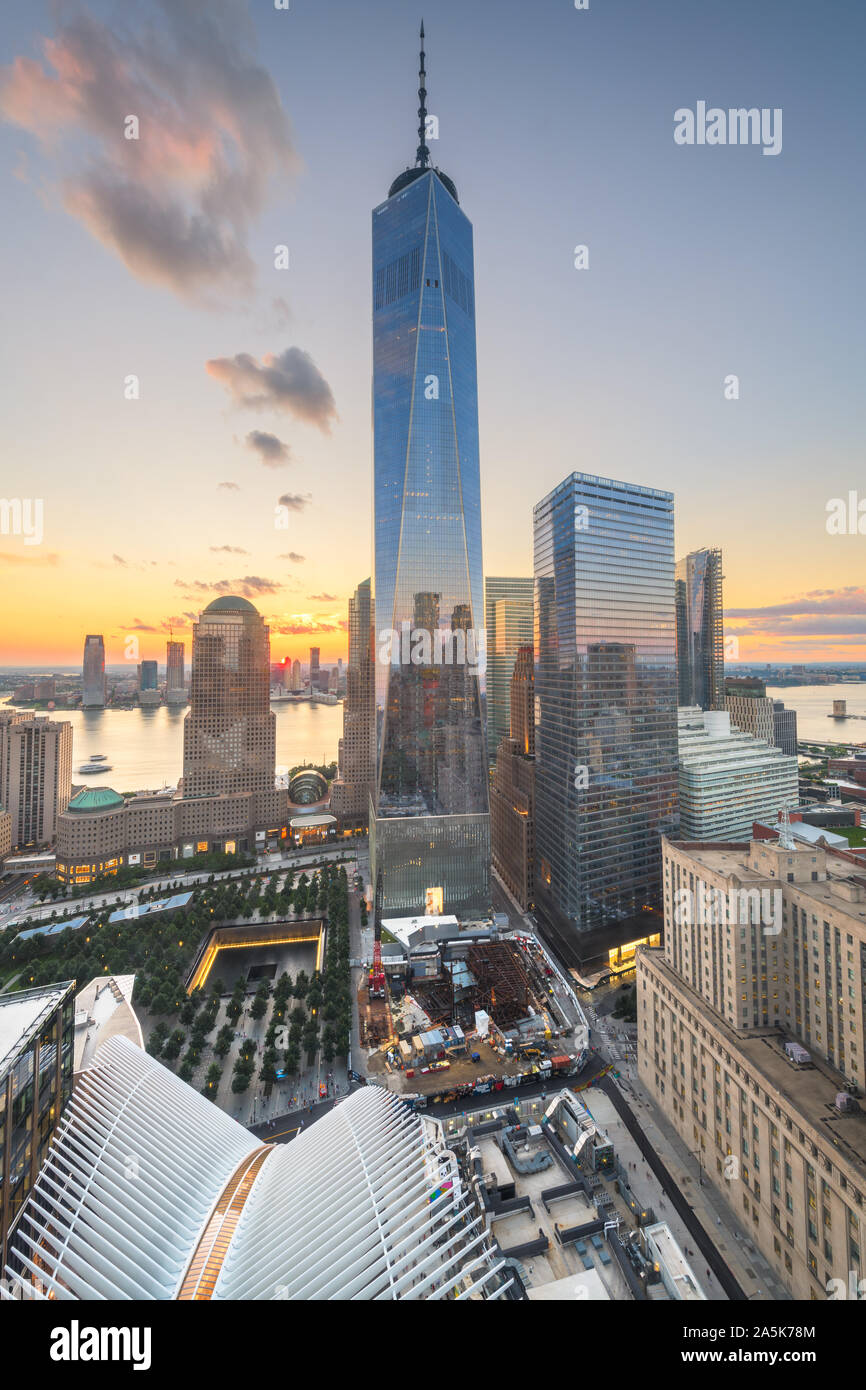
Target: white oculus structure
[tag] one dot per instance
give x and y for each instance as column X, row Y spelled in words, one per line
column 151, row 1192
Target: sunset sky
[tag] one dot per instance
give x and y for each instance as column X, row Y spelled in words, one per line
column 259, row 127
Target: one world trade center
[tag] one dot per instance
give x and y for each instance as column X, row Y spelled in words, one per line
column 429, row 821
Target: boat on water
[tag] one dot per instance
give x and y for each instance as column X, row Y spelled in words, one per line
column 98, row 758
column 95, row 765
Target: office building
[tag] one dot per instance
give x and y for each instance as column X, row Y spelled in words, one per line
column 175, row 677
column 700, row 630
column 367, row 1203
column 148, row 683
column 297, row 681
column 751, row 1041
column 351, row 791
column 36, row 1053
column 750, row 707
column 512, row 795
column 606, row 712
column 785, row 728
column 5, row 835
column 93, row 680
column 430, row 824
column 728, row 779
column 35, row 775
column 509, row 617
column 316, row 673
column 227, row 801
column 229, row 733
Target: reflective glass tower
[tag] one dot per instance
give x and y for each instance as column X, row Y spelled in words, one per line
column 508, row 610
column 700, row 630
column 605, row 709
column 430, row 831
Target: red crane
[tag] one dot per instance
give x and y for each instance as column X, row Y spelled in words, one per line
column 377, row 971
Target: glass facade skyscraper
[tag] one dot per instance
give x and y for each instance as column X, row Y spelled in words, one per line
column 93, row 675
column 430, row 825
column 700, row 630
column 37, row 1033
column 605, row 708
column 508, row 612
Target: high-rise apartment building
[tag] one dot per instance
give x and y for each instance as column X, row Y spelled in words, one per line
column 93, row 678
column 430, row 826
column 785, row 728
column 700, row 630
column 512, row 795
column 509, row 618
column 750, row 707
column 350, row 793
column 175, row 683
column 751, row 1040
column 606, row 710
column 229, row 733
column 36, row 1053
column 297, row 681
column 35, row 775
column 728, row 779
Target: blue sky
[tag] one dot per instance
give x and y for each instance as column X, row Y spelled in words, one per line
column 557, row 127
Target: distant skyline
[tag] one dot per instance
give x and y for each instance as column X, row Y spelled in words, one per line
column 154, row 257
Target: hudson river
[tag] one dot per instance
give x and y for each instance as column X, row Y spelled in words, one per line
column 145, row 746
column 814, row 702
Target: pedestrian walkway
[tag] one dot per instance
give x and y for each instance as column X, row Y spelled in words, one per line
column 717, row 1218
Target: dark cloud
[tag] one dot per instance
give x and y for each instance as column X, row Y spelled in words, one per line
column 301, row 625
column 230, row 487
column 247, row 587
column 851, row 599
column 175, row 205
column 291, row 555
column 322, row 598
column 290, row 382
column 295, row 501
column 228, row 550
column 271, row 450
column 119, row 560
column 139, row 626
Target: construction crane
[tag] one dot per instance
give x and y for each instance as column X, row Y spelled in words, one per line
column 377, row 972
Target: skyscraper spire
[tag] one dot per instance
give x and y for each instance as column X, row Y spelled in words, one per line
column 422, row 157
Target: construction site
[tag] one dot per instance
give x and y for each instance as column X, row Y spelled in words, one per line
column 445, row 1009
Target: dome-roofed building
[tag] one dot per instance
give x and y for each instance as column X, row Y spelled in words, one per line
column 308, row 787
column 95, row 799
column 366, row 1203
column 230, row 603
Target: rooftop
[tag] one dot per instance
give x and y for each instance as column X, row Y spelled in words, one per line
column 808, row 1093
column 22, row 1014
column 230, row 603
column 96, row 799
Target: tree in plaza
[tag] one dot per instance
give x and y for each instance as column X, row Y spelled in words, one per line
column 212, row 1081
column 175, row 1042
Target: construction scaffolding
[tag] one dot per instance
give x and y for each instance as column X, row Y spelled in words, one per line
column 501, row 987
